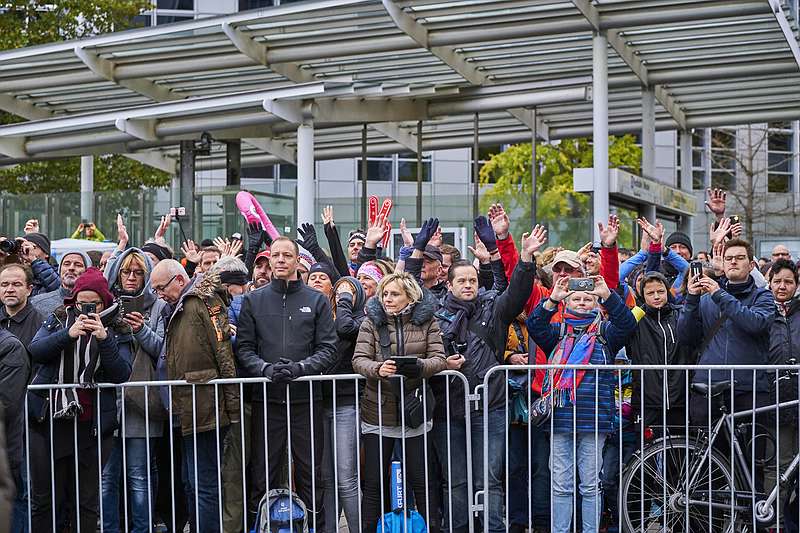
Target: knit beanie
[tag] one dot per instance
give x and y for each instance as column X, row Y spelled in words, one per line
column 323, row 267
column 87, row 261
column 679, row 237
column 91, row 280
column 372, row 271
column 41, row 240
column 357, row 235
column 157, row 250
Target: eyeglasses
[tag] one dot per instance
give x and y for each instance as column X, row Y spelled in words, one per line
column 734, row 258
column 126, row 273
column 161, row 289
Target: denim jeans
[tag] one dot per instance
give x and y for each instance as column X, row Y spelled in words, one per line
column 140, row 502
column 566, row 452
column 454, row 490
column 344, row 471
column 520, row 509
column 204, row 504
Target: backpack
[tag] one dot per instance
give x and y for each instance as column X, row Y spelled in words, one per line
column 281, row 511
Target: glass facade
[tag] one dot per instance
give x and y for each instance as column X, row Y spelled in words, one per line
column 780, row 159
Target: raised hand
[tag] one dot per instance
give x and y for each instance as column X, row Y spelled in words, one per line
column 717, row 251
column 234, row 248
column 499, row 220
column 327, row 215
column 736, row 230
column 255, row 236
column 479, row 251
column 31, row 226
column 190, row 252
column 408, row 239
column 437, row 240
column 560, row 289
column 601, row 290
column 426, row 233
column 375, row 232
column 224, row 245
column 485, row 233
column 719, row 234
column 308, row 234
column 715, row 201
column 122, row 233
column 166, row 220
column 654, row 232
column 609, row 233
column 584, row 250
column 531, row 242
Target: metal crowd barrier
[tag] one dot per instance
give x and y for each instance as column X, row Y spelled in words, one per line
column 733, row 471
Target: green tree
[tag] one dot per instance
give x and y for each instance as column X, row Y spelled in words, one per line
column 32, row 22
column 558, row 205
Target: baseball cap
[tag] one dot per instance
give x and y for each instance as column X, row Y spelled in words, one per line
column 263, row 254
column 569, row 257
column 433, row 253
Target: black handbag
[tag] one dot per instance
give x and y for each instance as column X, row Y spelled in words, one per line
column 416, row 410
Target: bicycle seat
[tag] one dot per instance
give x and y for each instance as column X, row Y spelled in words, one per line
column 716, row 389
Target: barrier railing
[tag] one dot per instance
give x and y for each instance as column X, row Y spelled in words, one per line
column 639, row 448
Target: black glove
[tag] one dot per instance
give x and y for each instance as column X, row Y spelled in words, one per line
column 286, row 371
column 309, row 236
column 268, row 371
column 485, row 233
column 255, row 236
column 426, row 233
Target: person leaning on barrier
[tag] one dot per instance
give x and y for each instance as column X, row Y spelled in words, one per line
column 474, row 328
column 583, row 400
column 73, row 346
column 197, row 349
column 728, row 321
column 139, row 334
column 286, row 331
column 403, row 314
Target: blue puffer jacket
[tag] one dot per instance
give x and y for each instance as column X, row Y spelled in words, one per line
column 743, row 338
column 594, row 399
column 45, row 277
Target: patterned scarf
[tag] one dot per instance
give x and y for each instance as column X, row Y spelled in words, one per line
column 573, row 349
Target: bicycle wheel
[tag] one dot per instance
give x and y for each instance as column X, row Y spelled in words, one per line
column 654, row 493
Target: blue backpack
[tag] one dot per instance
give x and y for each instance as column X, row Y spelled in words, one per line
column 281, row 511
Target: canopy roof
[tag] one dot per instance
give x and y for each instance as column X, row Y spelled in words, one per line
column 342, row 63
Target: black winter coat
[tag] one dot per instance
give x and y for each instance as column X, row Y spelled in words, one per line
column 655, row 343
column 24, row 324
column 349, row 316
column 291, row 321
column 784, row 345
column 14, row 371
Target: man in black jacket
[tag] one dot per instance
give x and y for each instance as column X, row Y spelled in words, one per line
column 14, row 372
column 17, row 315
column 286, row 331
column 475, row 326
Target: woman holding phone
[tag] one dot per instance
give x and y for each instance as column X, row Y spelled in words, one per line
column 402, row 316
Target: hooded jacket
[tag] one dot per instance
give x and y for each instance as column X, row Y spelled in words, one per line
column 197, row 349
column 14, row 371
column 418, row 334
column 150, row 338
column 743, row 338
column 349, row 317
column 47, row 302
column 45, row 278
column 286, row 320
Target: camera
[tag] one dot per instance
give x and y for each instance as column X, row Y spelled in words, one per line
column 581, row 284
column 695, row 269
column 11, row 246
column 175, row 212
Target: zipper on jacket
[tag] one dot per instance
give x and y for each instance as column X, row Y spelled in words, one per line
column 283, row 328
column 664, row 382
column 398, row 330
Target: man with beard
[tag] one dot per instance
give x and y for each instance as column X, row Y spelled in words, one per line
column 17, row 315
column 71, row 266
column 262, row 272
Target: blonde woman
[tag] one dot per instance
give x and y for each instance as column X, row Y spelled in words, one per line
column 401, row 313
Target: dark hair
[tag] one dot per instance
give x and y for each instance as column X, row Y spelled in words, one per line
column 449, row 249
column 212, row 249
column 25, row 270
column 739, row 243
column 458, row 264
column 782, row 264
column 651, row 277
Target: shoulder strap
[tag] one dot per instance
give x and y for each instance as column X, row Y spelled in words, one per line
column 385, row 342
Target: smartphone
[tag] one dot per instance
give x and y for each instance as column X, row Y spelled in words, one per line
column 581, row 284
column 131, row 304
column 406, row 364
column 695, row 269
column 88, row 309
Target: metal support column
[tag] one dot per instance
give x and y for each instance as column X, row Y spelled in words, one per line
column 648, row 145
column 87, row 188
column 534, row 167
column 475, row 149
column 186, row 195
column 600, row 130
column 687, row 177
column 233, row 163
column 364, row 177
column 419, row 174
column 305, row 174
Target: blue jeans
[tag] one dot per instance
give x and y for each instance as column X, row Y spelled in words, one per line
column 203, row 505
column 141, row 503
column 344, row 472
column 520, row 509
column 454, row 491
column 567, row 451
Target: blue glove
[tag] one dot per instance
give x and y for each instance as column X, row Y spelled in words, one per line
column 486, row 233
column 426, row 234
column 405, row 252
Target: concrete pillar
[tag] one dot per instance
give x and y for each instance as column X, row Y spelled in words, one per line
column 305, row 174
column 534, row 167
column 685, row 138
column 600, row 130
column 648, row 146
column 87, row 188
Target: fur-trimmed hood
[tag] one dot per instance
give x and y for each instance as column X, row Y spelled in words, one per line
column 421, row 313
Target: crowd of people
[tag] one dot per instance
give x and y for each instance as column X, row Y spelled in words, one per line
column 281, row 311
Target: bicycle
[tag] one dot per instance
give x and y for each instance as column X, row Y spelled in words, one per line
column 685, row 483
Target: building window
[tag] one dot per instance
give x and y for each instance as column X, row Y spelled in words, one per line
column 378, row 168
column 175, row 4
column 699, row 151
column 244, row 5
column 262, row 172
column 723, row 159
column 485, row 153
column 287, row 172
column 407, row 167
column 780, row 157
